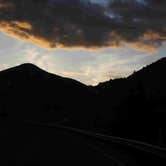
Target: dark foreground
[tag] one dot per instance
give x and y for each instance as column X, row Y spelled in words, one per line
column 32, row 143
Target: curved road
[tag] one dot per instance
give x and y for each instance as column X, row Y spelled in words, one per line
column 22, row 139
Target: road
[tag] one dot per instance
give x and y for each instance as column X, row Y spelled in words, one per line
column 27, row 142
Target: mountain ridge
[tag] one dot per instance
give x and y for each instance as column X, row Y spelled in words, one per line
column 115, row 107
column 30, row 92
column 135, row 106
column 32, row 67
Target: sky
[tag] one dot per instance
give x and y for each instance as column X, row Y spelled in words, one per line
column 90, row 41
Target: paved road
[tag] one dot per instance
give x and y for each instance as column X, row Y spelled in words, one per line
column 35, row 143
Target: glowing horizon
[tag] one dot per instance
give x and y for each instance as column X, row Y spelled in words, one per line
column 87, row 66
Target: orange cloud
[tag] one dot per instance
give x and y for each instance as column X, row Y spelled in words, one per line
column 143, row 46
column 22, row 24
column 150, row 35
column 80, row 26
column 5, row 5
column 22, row 31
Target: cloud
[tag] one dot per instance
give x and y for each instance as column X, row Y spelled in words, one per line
column 5, row 5
column 86, row 24
column 89, row 67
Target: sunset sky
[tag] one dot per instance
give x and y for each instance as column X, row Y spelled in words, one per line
column 90, row 41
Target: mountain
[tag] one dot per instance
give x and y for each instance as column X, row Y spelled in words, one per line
column 132, row 107
column 135, row 107
column 29, row 92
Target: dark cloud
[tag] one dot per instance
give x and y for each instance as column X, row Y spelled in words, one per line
column 80, row 23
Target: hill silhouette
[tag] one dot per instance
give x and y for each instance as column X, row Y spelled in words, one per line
column 135, row 106
column 132, row 107
column 29, row 92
